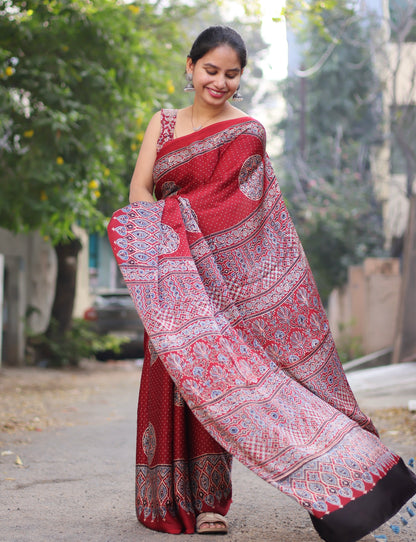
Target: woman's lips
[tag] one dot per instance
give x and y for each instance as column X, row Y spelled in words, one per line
column 216, row 93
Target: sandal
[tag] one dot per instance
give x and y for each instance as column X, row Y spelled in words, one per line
column 210, row 522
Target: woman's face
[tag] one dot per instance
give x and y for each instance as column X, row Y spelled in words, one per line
column 216, row 75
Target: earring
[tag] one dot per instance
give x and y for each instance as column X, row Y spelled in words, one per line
column 189, row 85
column 237, row 97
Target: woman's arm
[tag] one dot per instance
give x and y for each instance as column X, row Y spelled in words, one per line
column 141, row 186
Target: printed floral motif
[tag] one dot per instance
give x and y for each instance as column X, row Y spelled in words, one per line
column 149, row 443
column 251, row 177
column 177, row 398
column 234, row 316
column 189, row 216
column 153, row 353
column 156, row 486
column 169, row 238
column 168, row 122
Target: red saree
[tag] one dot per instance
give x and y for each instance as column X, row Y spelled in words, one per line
column 227, row 298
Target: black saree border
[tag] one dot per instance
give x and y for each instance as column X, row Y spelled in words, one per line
column 366, row 513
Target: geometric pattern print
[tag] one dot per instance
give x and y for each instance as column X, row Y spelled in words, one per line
column 169, row 161
column 210, row 477
column 163, row 489
column 138, row 234
column 347, row 472
column 235, row 317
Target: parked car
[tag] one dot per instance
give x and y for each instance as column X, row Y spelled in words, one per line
column 113, row 312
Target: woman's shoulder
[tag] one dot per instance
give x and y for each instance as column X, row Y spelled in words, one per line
column 239, row 114
column 163, row 115
column 250, row 126
column 246, row 118
column 166, row 121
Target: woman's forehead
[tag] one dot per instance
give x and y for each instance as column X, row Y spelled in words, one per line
column 223, row 56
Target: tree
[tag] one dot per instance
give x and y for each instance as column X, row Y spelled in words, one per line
column 391, row 32
column 332, row 123
column 79, row 81
column 397, row 61
column 399, row 70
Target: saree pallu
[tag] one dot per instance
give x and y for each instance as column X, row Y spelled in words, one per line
column 227, row 298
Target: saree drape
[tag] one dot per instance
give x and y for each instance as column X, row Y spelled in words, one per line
column 181, row 470
column 227, row 298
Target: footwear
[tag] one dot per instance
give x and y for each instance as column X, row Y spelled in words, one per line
column 210, row 522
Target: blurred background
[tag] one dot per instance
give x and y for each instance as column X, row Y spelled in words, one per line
column 334, row 83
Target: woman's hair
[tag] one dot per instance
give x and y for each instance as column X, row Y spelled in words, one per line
column 212, row 37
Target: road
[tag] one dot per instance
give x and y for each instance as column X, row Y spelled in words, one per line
column 71, row 476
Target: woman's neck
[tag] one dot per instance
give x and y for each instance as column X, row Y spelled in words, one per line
column 202, row 115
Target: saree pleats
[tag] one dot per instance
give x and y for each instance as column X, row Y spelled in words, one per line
column 181, row 470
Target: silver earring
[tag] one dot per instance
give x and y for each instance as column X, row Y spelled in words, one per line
column 237, row 97
column 189, row 85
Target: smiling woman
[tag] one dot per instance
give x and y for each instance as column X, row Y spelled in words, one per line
column 216, row 78
column 239, row 358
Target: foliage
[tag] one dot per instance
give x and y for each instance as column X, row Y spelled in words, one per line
column 402, row 88
column 79, row 80
column 250, row 29
column 55, row 349
column 402, row 19
column 332, row 122
column 349, row 346
column 340, row 225
column 313, row 13
column 388, row 23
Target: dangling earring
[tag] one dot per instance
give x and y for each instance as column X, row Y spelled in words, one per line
column 189, row 85
column 237, row 97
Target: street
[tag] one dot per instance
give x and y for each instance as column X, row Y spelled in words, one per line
column 67, row 466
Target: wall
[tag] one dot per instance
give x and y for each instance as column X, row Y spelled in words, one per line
column 30, row 272
column 367, row 307
column 29, row 289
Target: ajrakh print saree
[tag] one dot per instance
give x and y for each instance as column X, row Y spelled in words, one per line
column 231, row 310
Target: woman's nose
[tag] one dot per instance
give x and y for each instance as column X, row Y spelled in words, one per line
column 220, row 80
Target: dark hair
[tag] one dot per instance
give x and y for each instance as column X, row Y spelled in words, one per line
column 212, row 37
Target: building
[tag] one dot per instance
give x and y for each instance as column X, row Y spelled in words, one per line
column 391, row 27
column 394, row 162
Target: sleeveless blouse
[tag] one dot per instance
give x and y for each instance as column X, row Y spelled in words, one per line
column 167, row 127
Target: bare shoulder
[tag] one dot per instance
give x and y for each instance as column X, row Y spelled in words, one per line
column 152, row 133
column 154, row 123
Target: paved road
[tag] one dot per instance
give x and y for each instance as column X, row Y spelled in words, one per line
column 385, row 387
column 76, row 482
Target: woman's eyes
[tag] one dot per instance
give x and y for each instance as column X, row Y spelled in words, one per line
column 230, row 76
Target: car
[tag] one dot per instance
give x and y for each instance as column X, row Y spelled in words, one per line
column 113, row 312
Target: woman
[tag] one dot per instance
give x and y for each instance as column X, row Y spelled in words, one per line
column 239, row 360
